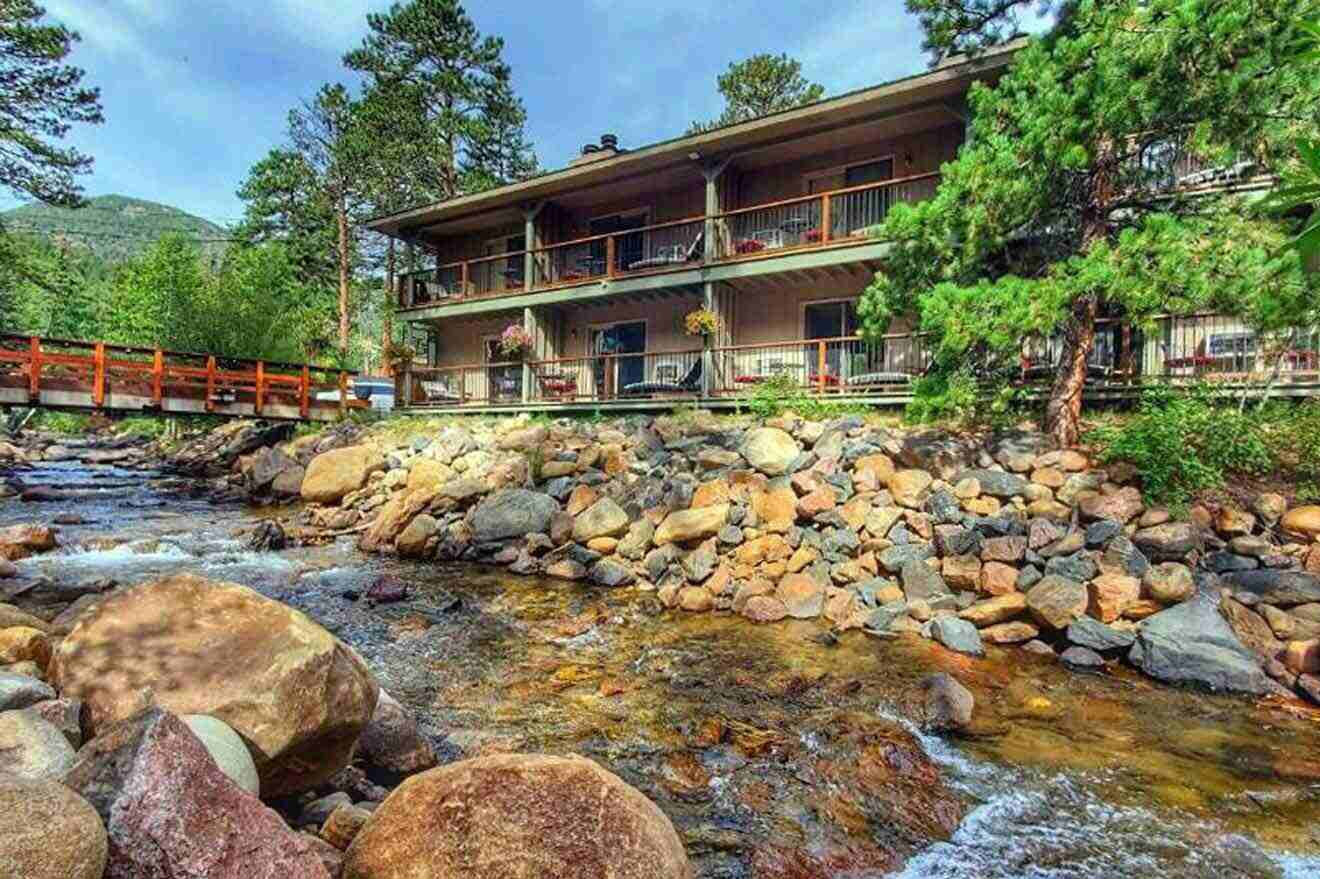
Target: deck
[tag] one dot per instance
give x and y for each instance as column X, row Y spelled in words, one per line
column 67, row 374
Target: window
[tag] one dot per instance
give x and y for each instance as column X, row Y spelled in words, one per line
column 628, row 249
column 871, row 172
column 829, row 320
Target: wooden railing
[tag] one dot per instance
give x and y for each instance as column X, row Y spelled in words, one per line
column 845, row 364
column 100, row 368
column 828, row 219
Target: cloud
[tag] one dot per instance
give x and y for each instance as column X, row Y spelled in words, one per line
column 100, row 26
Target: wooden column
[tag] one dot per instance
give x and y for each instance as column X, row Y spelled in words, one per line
column 98, row 375
column 34, row 368
column 820, row 366
column 343, row 392
column 609, row 257
column 210, row 383
column 826, row 217
column 261, row 386
column 707, row 355
column 305, row 392
column 531, row 241
column 158, row 378
column 529, row 327
column 712, row 171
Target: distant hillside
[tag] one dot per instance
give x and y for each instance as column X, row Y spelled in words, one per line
column 112, row 226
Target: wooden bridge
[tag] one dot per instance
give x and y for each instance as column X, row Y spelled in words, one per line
column 65, row 374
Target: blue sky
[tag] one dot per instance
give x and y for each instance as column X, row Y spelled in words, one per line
column 196, row 91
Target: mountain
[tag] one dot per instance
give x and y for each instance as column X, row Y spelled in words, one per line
column 112, row 227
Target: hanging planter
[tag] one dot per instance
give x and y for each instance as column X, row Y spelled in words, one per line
column 702, row 322
column 515, row 342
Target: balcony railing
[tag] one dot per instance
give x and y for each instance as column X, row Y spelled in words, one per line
column 835, row 218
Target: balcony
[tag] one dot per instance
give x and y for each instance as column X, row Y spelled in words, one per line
column 1215, row 349
column 834, row 219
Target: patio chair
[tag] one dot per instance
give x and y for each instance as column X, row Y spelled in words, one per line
column 690, row 384
column 675, row 254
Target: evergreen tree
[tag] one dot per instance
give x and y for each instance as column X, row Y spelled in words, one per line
column 758, row 86
column 1062, row 208
column 41, row 98
column 452, row 90
column 285, row 204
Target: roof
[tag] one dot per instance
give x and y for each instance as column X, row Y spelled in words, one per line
column 947, row 82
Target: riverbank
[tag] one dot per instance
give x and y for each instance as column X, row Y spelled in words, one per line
column 777, row 749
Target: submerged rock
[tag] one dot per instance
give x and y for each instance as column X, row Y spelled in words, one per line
column 947, row 704
column 517, row 815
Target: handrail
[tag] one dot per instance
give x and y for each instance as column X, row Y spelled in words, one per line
column 832, row 193
column 577, row 242
column 142, row 349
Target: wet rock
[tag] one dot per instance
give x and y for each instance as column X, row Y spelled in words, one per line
column 517, row 815
column 510, row 513
column 31, row 748
column 333, row 474
column 171, row 813
column 770, row 450
column 226, row 749
column 1055, row 602
column 1191, row 643
column 1081, row 658
column 48, row 832
column 297, row 696
column 21, row 541
column 1095, row 635
column 268, row 536
column 20, row 691
column 957, row 634
column 610, row 574
column 947, row 704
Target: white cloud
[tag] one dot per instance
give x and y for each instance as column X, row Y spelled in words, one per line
column 101, row 27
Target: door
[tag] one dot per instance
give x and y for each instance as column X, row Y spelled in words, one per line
column 867, row 207
column 505, row 274
column 504, row 382
column 628, row 249
column 614, row 374
column 837, row 323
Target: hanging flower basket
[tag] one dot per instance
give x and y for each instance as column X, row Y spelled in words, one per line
column 702, row 322
column 515, row 342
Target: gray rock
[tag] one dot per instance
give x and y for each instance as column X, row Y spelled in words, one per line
column 1123, row 555
column 1192, row 644
column 1082, row 659
column 1281, row 588
column 314, row 813
column 65, row 715
column 943, row 507
column 947, row 704
column 1170, row 542
column 20, row 691
column 700, row 563
column 1091, row 633
column 957, row 634
column 1074, row 567
column 921, row 582
column 896, row 557
column 610, row 573
column 658, row 560
column 1227, row 562
column 995, row 483
column 32, row 748
column 883, row 617
column 512, row 512
column 633, row 545
column 1028, row 577
column 953, row 540
column 1100, row 533
column 730, row 535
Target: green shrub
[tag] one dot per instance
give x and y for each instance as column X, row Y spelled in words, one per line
column 944, row 397
column 1292, row 433
column 784, row 393
column 1183, row 442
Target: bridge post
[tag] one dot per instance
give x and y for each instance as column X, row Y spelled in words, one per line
column 305, row 392
column 34, row 368
column 261, row 381
column 210, row 383
column 158, row 379
column 98, row 375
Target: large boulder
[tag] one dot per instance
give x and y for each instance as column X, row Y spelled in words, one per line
column 31, row 747
column 392, row 741
column 770, row 450
column 512, row 512
column 517, row 815
column 1191, row 643
column 20, row 541
column 171, row 813
column 48, row 832
column 333, row 474
column 297, row 696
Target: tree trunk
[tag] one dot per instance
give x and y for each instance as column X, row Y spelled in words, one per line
column 341, row 217
column 1063, row 413
column 387, row 319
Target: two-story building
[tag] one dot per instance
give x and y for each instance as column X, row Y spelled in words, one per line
column 768, row 224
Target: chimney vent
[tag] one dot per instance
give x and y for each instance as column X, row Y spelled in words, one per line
column 609, row 141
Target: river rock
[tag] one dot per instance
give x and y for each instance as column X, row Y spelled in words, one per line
column 297, row 696
column 1082, row 658
column 392, row 741
column 19, row 691
column 31, row 748
column 511, row 512
column 685, row 525
column 957, row 634
column 226, row 749
column 267, row 465
column 1191, row 643
column 21, row 541
column 1055, row 602
column 908, row 487
column 996, row 483
column 1095, row 635
column 412, row 541
column 770, row 450
column 921, row 582
column 610, row 574
column 48, row 832
column 604, row 518
column 1281, row 588
column 333, row 474
column 1170, row 542
column 171, row 813
column 947, row 705
column 1169, row 582
column 995, row 610
column 518, row 815
column 1303, row 522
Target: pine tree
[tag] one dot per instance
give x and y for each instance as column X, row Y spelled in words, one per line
column 758, row 86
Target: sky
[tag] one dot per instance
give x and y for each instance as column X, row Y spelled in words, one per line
column 196, row 91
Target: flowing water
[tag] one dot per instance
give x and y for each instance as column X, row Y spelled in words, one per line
column 777, row 752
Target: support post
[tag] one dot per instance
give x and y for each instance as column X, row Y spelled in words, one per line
column 158, row 379
column 34, row 368
column 261, row 386
column 609, row 257
column 463, row 279
column 210, row 383
column 712, row 170
column 98, row 375
column 531, row 242
column 707, row 355
column 343, row 393
column 305, row 392
column 826, row 217
column 529, row 327
column 820, row 366
column 407, row 395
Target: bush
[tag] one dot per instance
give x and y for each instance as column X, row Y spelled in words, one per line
column 783, row 393
column 1292, row 433
column 1183, row 442
column 947, row 397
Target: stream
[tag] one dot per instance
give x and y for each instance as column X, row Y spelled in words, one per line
column 777, row 751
